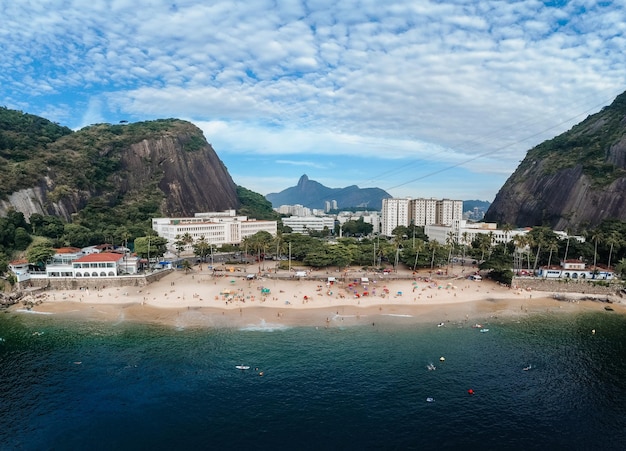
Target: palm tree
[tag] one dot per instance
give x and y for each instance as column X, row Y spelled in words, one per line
column 419, row 246
column 465, row 236
column 507, row 228
column 538, row 241
column 433, row 246
column 492, row 240
column 520, row 242
column 450, row 240
column 552, row 246
column 596, row 236
column 613, row 239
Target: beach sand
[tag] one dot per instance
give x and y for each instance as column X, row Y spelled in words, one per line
column 201, row 299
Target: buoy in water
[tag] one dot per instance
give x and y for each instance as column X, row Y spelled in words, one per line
column 441, row 359
column 593, row 331
column 470, row 391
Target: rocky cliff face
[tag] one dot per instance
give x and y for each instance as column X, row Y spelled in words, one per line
column 573, row 181
column 192, row 182
column 173, row 164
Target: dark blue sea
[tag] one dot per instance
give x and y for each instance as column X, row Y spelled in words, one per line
column 71, row 385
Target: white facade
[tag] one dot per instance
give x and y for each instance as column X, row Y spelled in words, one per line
column 302, row 224
column 421, row 212
column 449, row 211
column 464, row 232
column 217, row 228
column 395, row 212
column 575, row 269
column 424, row 211
column 294, row 210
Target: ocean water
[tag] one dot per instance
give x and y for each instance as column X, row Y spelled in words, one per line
column 71, row 385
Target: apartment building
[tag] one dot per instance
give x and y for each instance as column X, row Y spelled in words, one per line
column 421, row 212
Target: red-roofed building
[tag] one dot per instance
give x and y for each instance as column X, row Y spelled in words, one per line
column 103, row 264
column 19, row 266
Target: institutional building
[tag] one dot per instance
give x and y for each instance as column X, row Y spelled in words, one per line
column 464, row 232
column 217, row 228
column 420, row 212
column 302, row 224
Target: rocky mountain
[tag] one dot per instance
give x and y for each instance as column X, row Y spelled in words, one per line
column 162, row 167
column 312, row 194
column 573, row 181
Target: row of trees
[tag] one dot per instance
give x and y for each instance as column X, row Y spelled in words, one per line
column 603, row 246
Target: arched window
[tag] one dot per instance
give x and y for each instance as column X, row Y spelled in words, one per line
column 94, row 274
column 78, row 274
column 103, row 274
column 111, row 274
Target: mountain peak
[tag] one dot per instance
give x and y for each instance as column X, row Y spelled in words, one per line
column 303, row 180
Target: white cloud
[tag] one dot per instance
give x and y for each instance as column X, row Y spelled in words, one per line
column 403, row 80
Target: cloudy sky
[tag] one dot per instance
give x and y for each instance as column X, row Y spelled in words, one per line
column 420, row 98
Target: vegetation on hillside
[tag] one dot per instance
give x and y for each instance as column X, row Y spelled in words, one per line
column 586, row 144
column 254, row 205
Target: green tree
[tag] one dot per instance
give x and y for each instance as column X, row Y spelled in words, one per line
column 22, row 238
column 77, row 235
column 150, row 246
column 40, row 253
column 201, row 248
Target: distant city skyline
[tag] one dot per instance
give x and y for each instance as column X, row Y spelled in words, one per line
column 421, row 99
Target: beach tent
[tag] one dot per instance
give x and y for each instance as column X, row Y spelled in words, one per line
column 265, row 290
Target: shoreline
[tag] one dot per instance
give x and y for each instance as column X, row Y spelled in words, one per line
column 200, row 299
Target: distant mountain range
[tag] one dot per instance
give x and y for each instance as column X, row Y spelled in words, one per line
column 312, row 194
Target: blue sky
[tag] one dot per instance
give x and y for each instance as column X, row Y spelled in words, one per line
column 420, row 98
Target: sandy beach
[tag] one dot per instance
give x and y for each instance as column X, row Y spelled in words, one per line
column 200, row 298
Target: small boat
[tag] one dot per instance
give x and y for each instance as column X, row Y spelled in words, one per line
column 430, row 399
column 440, row 325
column 527, row 368
column 431, row 367
column 608, row 309
column 484, row 330
column 477, row 326
column 242, row 367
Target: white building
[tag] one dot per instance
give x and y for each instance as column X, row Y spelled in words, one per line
column 294, row 210
column 575, row 269
column 395, row 212
column 421, row 212
column 96, row 265
column 302, row 224
column 216, row 227
column 464, row 232
column 424, row 211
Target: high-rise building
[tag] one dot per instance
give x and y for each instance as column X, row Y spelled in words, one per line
column 421, row 212
column 395, row 212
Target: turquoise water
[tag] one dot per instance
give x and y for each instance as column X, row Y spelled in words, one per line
column 89, row 385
